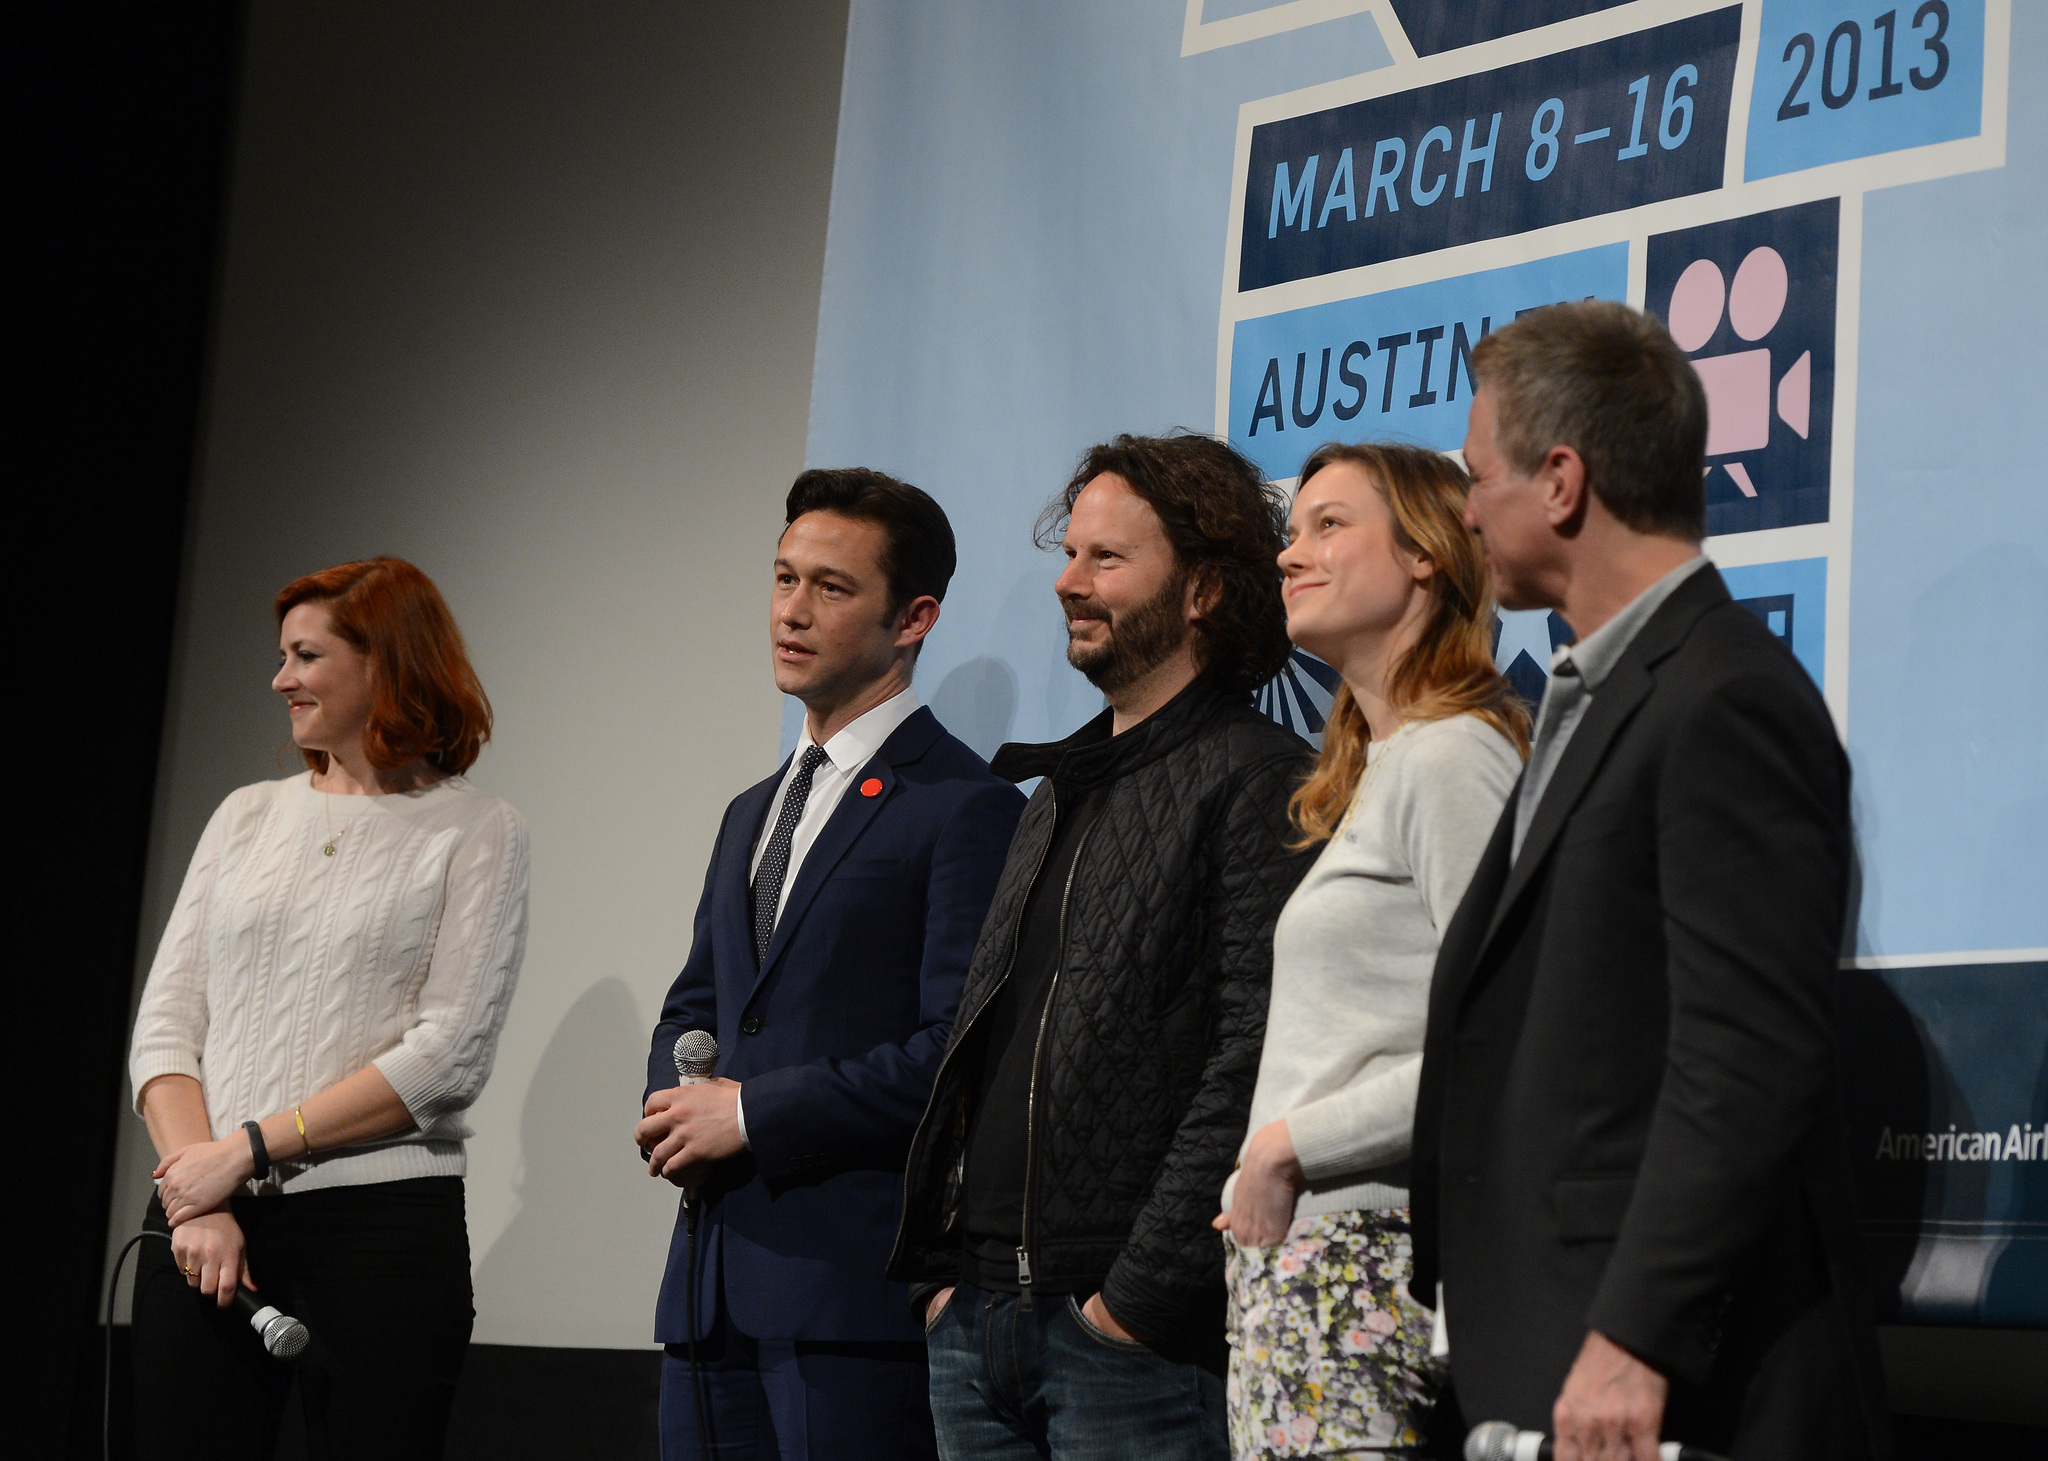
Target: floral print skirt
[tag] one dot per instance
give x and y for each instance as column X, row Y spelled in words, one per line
column 1329, row 1356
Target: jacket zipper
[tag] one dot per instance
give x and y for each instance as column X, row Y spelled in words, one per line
column 1024, row 1279
column 960, row 1036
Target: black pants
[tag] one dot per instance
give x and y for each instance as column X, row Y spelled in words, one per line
column 379, row 1273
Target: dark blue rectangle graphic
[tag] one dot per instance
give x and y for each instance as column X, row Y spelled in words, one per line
column 1609, row 126
column 1752, row 301
column 1946, row 1092
column 1445, row 25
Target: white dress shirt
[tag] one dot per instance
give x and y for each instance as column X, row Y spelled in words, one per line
column 845, row 754
column 852, row 748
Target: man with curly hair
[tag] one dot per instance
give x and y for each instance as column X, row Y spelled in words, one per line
column 1058, row 1200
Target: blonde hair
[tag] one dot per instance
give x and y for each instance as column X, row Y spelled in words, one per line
column 1449, row 670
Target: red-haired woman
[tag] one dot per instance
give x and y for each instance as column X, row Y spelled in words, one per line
column 1329, row 1354
column 322, row 1010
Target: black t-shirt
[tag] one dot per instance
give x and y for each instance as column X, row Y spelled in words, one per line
column 1008, row 1034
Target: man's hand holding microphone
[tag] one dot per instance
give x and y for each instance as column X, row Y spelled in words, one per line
column 1611, row 1409
column 695, row 1123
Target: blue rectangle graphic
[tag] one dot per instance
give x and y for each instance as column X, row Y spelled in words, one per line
column 1633, row 120
column 1836, row 80
column 1390, row 365
column 1792, row 600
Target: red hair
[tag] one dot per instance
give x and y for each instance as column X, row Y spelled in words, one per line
column 425, row 699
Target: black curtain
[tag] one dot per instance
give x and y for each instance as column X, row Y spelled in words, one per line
column 119, row 134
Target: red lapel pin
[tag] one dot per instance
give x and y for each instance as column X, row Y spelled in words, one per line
column 871, row 787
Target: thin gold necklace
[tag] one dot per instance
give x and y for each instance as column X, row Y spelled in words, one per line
column 333, row 836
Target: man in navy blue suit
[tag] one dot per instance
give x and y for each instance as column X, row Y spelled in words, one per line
column 841, row 906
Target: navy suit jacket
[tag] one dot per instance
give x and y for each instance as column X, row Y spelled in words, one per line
column 835, row 1039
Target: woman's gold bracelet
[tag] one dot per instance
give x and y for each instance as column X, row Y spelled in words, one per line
column 299, row 1117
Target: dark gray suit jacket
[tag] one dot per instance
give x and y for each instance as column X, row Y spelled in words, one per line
column 1627, row 1112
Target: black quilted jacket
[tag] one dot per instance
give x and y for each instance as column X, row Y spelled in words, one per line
column 1156, row 1015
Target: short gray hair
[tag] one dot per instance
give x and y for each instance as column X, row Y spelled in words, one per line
column 1609, row 382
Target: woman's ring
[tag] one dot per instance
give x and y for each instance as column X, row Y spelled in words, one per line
column 189, row 1272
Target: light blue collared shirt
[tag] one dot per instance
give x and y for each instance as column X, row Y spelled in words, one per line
column 1576, row 674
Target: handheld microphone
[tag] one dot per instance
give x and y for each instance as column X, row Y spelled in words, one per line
column 283, row 1336
column 696, row 1057
column 1498, row 1440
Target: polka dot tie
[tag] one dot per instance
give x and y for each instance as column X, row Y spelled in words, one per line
column 775, row 861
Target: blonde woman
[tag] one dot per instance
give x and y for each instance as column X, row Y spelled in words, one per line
column 1329, row 1354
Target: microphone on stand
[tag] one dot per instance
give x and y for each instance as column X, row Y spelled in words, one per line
column 1499, row 1440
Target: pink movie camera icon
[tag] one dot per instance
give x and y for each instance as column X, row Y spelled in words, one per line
column 1738, row 385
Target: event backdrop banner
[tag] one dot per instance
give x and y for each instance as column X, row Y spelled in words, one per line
column 1291, row 223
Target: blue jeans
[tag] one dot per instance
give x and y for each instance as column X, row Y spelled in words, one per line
column 1042, row 1382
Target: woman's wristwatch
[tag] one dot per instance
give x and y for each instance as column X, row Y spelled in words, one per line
column 257, row 1149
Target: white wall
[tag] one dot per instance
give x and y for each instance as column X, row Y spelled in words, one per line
column 528, row 295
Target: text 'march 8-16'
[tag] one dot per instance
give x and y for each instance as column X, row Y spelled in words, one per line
column 1612, row 125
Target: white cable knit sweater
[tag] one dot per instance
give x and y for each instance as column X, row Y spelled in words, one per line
column 284, row 970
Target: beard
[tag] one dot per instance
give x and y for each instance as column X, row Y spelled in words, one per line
column 1139, row 640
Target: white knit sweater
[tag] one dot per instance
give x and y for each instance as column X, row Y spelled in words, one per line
column 1353, row 953
column 284, row 969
